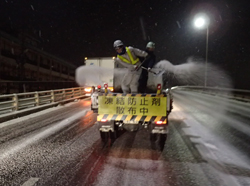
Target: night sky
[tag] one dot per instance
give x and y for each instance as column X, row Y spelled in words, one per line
column 73, row 29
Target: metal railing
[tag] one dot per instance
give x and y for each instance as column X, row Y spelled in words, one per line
column 15, row 102
column 21, row 101
column 239, row 94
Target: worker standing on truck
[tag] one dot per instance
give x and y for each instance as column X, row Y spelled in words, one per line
column 148, row 64
column 128, row 57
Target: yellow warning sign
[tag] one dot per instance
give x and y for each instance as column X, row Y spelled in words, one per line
column 130, row 105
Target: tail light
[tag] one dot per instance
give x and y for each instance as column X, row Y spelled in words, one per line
column 159, row 122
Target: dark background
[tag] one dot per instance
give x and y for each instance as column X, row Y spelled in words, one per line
column 74, row 29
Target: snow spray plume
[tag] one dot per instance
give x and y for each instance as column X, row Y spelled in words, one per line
column 192, row 73
column 91, row 75
column 95, row 75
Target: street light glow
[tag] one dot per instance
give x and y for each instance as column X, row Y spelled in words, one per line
column 199, row 22
column 202, row 21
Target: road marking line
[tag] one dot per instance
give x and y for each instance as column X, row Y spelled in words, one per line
column 34, row 138
column 31, row 182
column 211, row 146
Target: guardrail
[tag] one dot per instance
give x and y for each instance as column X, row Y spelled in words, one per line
column 15, row 102
column 239, row 94
column 10, row 103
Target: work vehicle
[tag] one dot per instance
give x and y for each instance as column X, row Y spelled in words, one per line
column 88, row 91
column 117, row 111
column 103, row 62
column 95, row 93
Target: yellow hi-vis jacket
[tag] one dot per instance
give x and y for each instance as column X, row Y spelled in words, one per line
column 132, row 60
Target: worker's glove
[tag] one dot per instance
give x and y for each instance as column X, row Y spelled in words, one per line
column 149, row 68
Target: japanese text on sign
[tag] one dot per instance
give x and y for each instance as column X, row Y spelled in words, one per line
column 127, row 105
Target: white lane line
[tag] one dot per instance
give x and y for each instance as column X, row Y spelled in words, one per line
column 17, row 121
column 30, row 182
column 211, row 146
column 41, row 135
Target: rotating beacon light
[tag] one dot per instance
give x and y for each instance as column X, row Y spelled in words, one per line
column 99, row 88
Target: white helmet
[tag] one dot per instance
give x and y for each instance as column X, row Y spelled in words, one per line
column 118, row 43
column 150, row 45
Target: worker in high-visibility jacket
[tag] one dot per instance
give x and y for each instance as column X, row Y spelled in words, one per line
column 148, row 64
column 128, row 57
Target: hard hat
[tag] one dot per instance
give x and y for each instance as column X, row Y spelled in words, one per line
column 118, row 43
column 150, row 45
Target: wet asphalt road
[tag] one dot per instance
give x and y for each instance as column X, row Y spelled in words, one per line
column 208, row 144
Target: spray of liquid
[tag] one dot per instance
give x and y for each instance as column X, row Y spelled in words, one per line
column 95, row 75
column 191, row 73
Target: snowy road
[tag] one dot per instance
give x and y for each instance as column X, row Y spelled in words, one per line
column 208, row 144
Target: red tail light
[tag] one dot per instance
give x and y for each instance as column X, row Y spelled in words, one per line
column 104, row 120
column 159, row 122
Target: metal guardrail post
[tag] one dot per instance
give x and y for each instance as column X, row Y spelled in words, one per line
column 82, row 91
column 63, row 96
column 52, row 96
column 37, row 100
column 15, row 103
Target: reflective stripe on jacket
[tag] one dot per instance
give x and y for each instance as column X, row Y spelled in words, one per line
column 132, row 60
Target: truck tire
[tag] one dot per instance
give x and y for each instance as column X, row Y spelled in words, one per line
column 104, row 136
column 94, row 110
column 162, row 140
column 153, row 137
column 113, row 135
